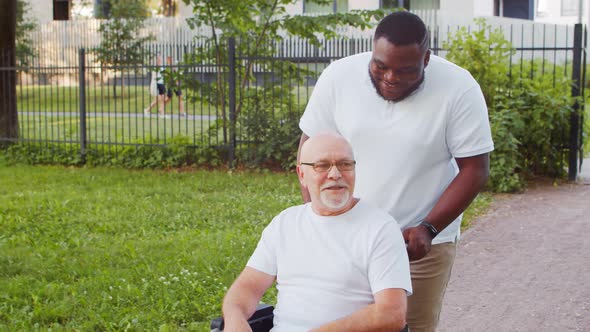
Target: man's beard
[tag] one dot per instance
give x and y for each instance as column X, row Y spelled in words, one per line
column 334, row 202
column 408, row 92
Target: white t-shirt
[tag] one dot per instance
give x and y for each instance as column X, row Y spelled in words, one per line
column 329, row 267
column 404, row 150
column 160, row 76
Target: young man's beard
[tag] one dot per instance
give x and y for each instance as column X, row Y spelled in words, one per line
column 409, row 91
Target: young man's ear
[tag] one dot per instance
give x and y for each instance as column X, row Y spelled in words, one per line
column 426, row 58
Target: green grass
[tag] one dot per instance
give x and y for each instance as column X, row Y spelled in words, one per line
column 113, row 249
column 52, row 113
column 99, row 99
column 109, row 129
column 104, row 249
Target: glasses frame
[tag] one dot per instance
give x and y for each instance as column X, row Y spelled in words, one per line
column 332, row 164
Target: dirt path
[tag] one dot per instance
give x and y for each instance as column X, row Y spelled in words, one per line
column 525, row 266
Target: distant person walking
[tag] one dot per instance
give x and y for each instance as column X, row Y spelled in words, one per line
column 176, row 87
column 159, row 90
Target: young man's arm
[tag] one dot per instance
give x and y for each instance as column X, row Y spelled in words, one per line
column 388, row 313
column 242, row 298
column 473, row 175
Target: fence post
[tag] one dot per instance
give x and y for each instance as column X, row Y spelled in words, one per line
column 231, row 49
column 575, row 115
column 82, row 91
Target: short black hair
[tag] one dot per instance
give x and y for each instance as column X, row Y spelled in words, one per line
column 403, row 28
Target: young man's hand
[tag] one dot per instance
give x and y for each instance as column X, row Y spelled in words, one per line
column 418, row 241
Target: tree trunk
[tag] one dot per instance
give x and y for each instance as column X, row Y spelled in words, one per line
column 8, row 113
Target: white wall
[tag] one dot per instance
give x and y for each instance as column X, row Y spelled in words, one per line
column 483, row 8
column 41, row 10
column 549, row 11
column 458, row 8
column 184, row 10
column 295, row 8
column 363, row 4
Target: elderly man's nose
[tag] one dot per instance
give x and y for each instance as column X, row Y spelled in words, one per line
column 334, row 172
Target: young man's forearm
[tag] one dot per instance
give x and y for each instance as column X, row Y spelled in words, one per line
column 472, row 177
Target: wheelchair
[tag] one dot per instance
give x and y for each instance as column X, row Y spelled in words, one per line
column 261, row 320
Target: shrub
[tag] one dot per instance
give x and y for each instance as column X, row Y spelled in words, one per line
column 270, row 117
column 177, row 152
column 528, row 111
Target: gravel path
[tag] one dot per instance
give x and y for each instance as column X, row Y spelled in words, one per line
column 525, row 266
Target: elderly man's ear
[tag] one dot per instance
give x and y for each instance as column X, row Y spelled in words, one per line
column 300, row 175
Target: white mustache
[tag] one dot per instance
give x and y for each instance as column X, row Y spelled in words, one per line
column 334, row 184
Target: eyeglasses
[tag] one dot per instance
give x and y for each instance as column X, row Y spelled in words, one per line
column 326, row 166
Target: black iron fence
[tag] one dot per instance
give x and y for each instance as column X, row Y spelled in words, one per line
column 238, row 104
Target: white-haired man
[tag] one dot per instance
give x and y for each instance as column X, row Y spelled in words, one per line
column 340, row 264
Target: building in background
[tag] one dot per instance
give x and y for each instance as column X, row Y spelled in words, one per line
column 543, row 11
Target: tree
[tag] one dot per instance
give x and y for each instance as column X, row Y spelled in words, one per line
column 8, row 111
column 24, row 26
column 121, row 44
column 259, row 25
column 168, row 7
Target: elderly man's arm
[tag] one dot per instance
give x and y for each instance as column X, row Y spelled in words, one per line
column 388, row 313
column 242, row 298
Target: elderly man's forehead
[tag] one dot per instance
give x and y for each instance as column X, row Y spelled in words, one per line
column 326, row 144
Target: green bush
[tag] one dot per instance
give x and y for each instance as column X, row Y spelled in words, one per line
column 270, row 117
column 529, row 111
column 177, row 152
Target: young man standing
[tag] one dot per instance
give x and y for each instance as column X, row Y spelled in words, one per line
column 419, row 128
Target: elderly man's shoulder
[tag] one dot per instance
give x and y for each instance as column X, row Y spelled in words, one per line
column 376, row 214
column 292, row 212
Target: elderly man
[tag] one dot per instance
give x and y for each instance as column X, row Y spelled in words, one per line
column 339, row 263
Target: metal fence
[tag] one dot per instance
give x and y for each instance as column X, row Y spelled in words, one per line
column 101, row 110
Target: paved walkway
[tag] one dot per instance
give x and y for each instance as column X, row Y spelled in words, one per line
column 525, row 266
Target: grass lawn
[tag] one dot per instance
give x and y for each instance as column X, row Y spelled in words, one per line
column 52, row 113
column 99, row 99
column 123, row 129
column 114, row 249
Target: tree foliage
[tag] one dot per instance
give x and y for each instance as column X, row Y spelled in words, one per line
column 528, row 111
column 24, row 26
column 122, row 41
column 259, row 26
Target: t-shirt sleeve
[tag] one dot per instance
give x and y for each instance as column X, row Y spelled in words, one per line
column 319, row 112
column 468, row 128
column 389, row 266
column 264, row 258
